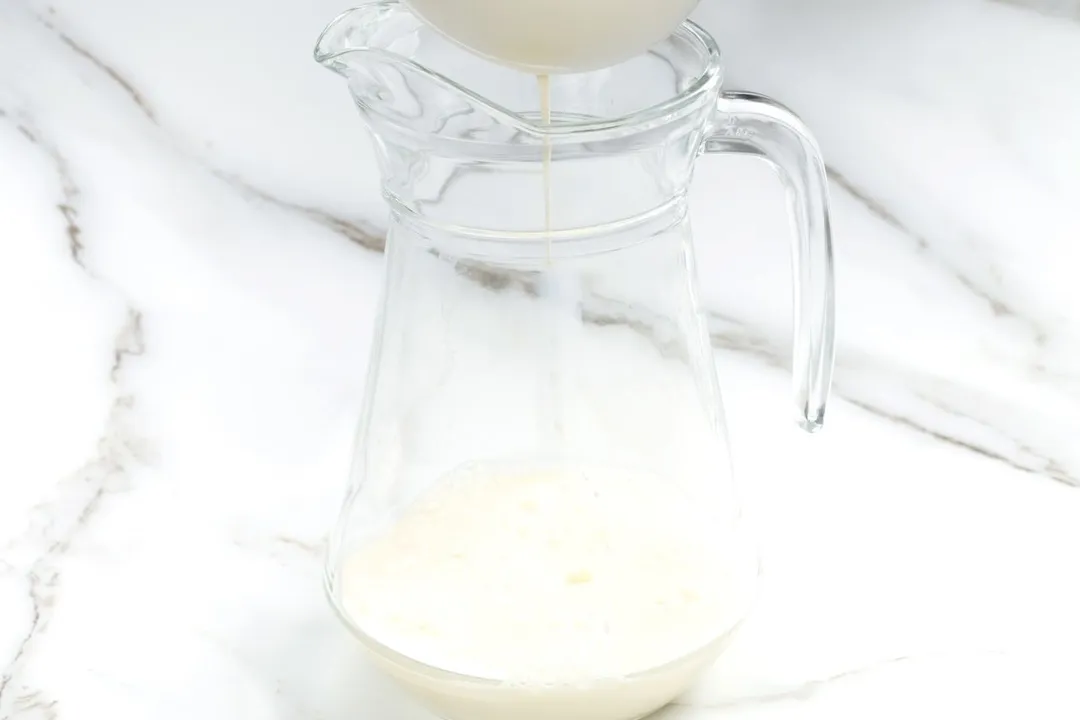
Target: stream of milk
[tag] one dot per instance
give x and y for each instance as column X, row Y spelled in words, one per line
column 544, row 82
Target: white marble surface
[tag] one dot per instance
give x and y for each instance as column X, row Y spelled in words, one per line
column 189, row 226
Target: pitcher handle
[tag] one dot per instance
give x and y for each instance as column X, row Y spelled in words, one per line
column 748, row 123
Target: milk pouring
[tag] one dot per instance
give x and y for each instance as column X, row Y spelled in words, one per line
column 542, row 521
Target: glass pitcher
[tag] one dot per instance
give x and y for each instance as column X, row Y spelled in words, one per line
column 542, row 522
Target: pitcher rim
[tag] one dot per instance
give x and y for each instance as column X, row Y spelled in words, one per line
column 710, row 77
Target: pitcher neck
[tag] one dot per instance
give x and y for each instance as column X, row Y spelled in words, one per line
column 531, row 193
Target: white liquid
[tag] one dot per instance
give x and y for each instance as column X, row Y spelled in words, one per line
column 555, row 35
column 544, row 83
column 579, row 594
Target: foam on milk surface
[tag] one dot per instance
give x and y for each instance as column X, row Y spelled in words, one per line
column 543, row 576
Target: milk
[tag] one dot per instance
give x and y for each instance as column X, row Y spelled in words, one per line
column 555, row 35
column 579, row 593
column 543, row 83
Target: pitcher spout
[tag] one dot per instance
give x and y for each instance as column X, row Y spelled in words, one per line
column 402, row 72
column 352, row 31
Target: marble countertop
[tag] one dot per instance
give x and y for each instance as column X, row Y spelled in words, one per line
column 190, row 236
